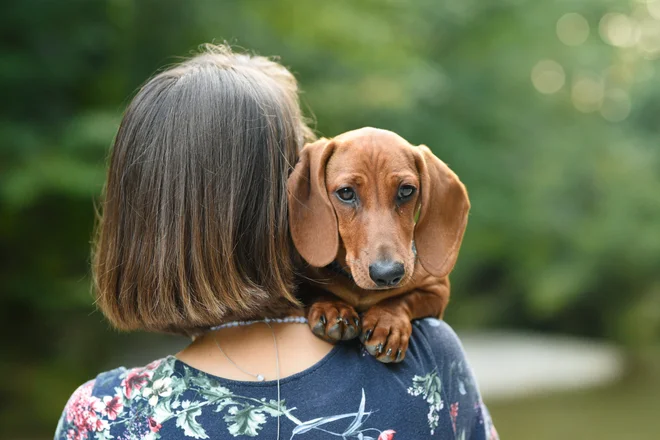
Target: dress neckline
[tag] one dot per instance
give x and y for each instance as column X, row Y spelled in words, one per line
column 179, row 365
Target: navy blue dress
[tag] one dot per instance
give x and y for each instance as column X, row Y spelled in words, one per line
column 346, row 395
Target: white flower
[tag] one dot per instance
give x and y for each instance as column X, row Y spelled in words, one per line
column 160, row 388
column 185, row 404
column 96, row 404
column 162, row 383
column 164, row 388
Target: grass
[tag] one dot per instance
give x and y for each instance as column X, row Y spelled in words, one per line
column 629, row 409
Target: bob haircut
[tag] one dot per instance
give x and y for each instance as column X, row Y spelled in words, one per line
column 193, row 227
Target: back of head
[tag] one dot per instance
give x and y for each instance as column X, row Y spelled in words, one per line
column 194, row 227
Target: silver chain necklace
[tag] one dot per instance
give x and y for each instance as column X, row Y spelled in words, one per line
column 260, row 377
column 267, row 321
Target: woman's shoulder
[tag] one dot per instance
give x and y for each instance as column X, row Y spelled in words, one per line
column 436, row 340
column 97, row 403
column 448, row 383
column 437, row 352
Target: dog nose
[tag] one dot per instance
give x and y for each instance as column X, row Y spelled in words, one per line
column 386, row 273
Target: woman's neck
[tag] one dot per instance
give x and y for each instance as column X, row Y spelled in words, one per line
column 251, row 348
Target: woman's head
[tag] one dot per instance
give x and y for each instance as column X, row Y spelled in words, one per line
column 194, row 223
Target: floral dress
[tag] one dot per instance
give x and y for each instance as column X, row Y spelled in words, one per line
column 346, row 395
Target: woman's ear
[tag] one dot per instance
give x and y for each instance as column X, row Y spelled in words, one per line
column 443, row 216
column 312, row 218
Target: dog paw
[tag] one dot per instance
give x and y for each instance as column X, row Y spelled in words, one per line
column 385, row 334
column 333, row 320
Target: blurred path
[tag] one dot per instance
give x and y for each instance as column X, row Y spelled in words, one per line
column 511, row 365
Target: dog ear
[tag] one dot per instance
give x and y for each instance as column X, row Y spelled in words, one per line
column 312, row 218
column 443, row 217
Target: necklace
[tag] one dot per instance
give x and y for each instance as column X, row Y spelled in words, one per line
column 267, row 321
column 288, row 319
column 260, row 377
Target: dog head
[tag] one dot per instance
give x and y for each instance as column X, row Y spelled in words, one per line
column 364, row 190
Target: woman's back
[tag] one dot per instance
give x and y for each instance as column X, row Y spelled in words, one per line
column 194, row 234
column 348, row 394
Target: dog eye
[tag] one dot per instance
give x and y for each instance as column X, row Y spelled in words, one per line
column 346, row 194
column 406, row 191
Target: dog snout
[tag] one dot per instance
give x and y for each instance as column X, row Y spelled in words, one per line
column 386, row 273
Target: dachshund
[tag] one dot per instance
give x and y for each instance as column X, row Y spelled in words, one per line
column 379, row 223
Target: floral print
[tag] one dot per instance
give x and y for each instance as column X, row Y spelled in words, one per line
column 429, row 387
column 113, row 406
column 387, row 435
column 158, row 395
column 453, row 413
column 82, row 413
column 134, row 381
column 167, row 399
column 160, row 388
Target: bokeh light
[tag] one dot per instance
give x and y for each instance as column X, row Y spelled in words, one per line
column 649, row 41
column 653, row 7
column 587, row 93
column 572, row 29
column 616, row 105
column 618, row 30
column 548, row 76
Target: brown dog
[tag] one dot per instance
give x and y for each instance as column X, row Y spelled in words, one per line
column 353, row 201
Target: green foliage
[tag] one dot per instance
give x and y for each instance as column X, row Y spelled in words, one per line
column 187, row 420
column 564, row 231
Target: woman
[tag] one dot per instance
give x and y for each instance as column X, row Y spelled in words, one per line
column 194, row 233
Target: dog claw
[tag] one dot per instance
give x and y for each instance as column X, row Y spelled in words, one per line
column 367, row 335
column 357, row 322
column 398, row 355
column 389, row 352
column 379, row 349
column 323, row 320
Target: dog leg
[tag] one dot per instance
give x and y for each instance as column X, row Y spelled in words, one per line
column 386, row 326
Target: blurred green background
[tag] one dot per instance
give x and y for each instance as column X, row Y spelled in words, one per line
column 548, row 111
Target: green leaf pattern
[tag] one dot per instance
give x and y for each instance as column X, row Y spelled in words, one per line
column 187, row 420
column 245, row 420
column 429, row 388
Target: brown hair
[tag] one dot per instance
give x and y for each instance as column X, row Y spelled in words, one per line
column 194, row 219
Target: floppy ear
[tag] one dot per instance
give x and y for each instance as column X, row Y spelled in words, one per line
column 312, row 219
column 443, row 217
